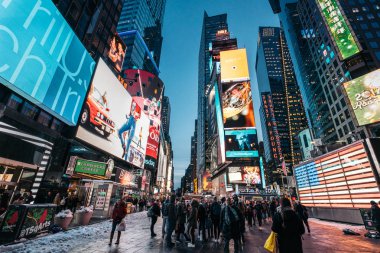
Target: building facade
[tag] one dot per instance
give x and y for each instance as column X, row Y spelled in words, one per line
column 165, row 118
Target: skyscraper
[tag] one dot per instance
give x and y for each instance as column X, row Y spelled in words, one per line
column 140, row 27
column 322, row 66
column 165, row 114
column 282, row 113
column 211, row 25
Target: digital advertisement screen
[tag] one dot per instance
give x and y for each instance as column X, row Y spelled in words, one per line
column 341, row 33
column 241, row 143
column 342, row 178
column 234, row 66
column 117, row 52
column 128, row 178
column 42, row 59
column 114, row 121
column 364, row 96
column 237, row 105
column 249, row 175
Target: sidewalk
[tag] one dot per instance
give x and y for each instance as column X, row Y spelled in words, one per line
column 325, row 237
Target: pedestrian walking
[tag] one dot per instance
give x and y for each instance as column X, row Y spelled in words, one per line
column 230, row 225
column 165, row 214
column 155, row 213
column 289, row 228
column 181, row 220
column 192, row 222
column 171, row 222
column 241, row 208
column 272, row 207
column 216, row 209
column 301, row 211
column 259, row 213
column 375, row 212
column 249, row 214
column 202, row 220
column 118, row 214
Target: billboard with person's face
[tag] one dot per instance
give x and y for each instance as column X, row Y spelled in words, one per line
column 112, row 120
column 148, row 88
column 42, row 59
column 364, row 96
column 117, row 52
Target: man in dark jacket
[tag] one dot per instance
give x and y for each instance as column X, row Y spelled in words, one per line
column 302, row 213
column 171, row 222
column 375, row 211
column 164, row 211
column 216, row 209
column 181, row 220
column 230, row 224
column 202, row 215
column 156, row 213
column 289, row 228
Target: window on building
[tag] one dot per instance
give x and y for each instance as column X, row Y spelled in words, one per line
column 44, row 118
column 29, row 110
column 336, row 120
column 359, row 18
column 368, row 35
column 364, row 26
column 351, row 125
column 364, row 8
column 370, row 16
column 374, row 44
column 375, row 25
column 377, row 55
column 14, row 102
column 355, row 10
column 340, row 132
column 56, row 125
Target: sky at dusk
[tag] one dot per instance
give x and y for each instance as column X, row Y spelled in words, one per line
column 179, row 60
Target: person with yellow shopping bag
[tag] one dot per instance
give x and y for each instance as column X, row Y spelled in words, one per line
column 271, row 243
column 289, row 229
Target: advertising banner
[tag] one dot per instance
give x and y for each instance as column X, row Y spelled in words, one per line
column 42, row 59
column 206, row 181
column 234, row 66
column 241, row 143
column 117, row 52
column 112, row 120
column 93, row 168
column 147, row 88
column 38, row 220
column 249, row 175
column 128, row 178
column 364, row 96
column 339, row 30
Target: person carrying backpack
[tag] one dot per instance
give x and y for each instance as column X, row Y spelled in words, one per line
column 289, row 228
column 230, row 219
column 216, row 209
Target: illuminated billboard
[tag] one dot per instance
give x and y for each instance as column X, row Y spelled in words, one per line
column 237, row 105
column 341, row 178
column 113, row 120
column 234, row 66
column 339, row 30
column 117, row 52
column 149, row 89
column 241, row 143
column 128, row 178
column 249, row 175
column 364, row 96
column 42, row 59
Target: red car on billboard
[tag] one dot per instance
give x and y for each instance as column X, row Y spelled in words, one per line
column 96, row 113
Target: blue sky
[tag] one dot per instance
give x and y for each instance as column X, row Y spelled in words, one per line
column 179, row 60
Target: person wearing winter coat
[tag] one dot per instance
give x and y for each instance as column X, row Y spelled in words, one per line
column 242, row 221
column 230, row 219
column 156, row 213
column 289, row 228
column 375, row 211
column 259, row 213
column 215, row 211
column 172, row 217
column 118, row 214
column 302, row 213
column 192, row 222
column 249, row 214
column 181, row 220
column 202, row 216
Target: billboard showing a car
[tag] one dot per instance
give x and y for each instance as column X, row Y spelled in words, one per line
column 112, row 120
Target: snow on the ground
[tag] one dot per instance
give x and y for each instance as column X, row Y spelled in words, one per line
column 338, row 225
column 63, row 242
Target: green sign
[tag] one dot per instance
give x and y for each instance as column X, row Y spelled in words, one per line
column 364, row 96
column 90, row 167
column 339, row 29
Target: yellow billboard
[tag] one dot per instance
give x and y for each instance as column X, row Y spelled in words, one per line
column 234, row 66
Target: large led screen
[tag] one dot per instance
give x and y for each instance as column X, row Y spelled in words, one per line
column 234, row 66
column 341, row 33
column 147, row 88
column 42, row 59
column 364, row 96
column 113, row 120
column 342, row 178
column 249, row 175
column 117, row 52
column 237, row 105
column 241, row 143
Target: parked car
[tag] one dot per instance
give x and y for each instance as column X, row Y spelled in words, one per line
column 96, row 113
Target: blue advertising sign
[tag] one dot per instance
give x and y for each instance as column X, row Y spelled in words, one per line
column 42, row 59
column 241, row 143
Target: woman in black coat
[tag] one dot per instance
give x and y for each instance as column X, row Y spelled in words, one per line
column 289, row 228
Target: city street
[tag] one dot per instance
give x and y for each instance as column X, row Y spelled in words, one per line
column 326, row 237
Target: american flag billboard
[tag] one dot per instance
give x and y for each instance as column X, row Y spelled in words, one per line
column 341, row 178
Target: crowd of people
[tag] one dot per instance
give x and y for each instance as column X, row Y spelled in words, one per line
column 223, row 220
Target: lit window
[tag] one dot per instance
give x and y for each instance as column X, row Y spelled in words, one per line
column 355, row 10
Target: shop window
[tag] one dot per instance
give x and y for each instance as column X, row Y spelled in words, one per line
column 44, row 118
column 56, row 125
column 29, row 110
column 14, row 102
